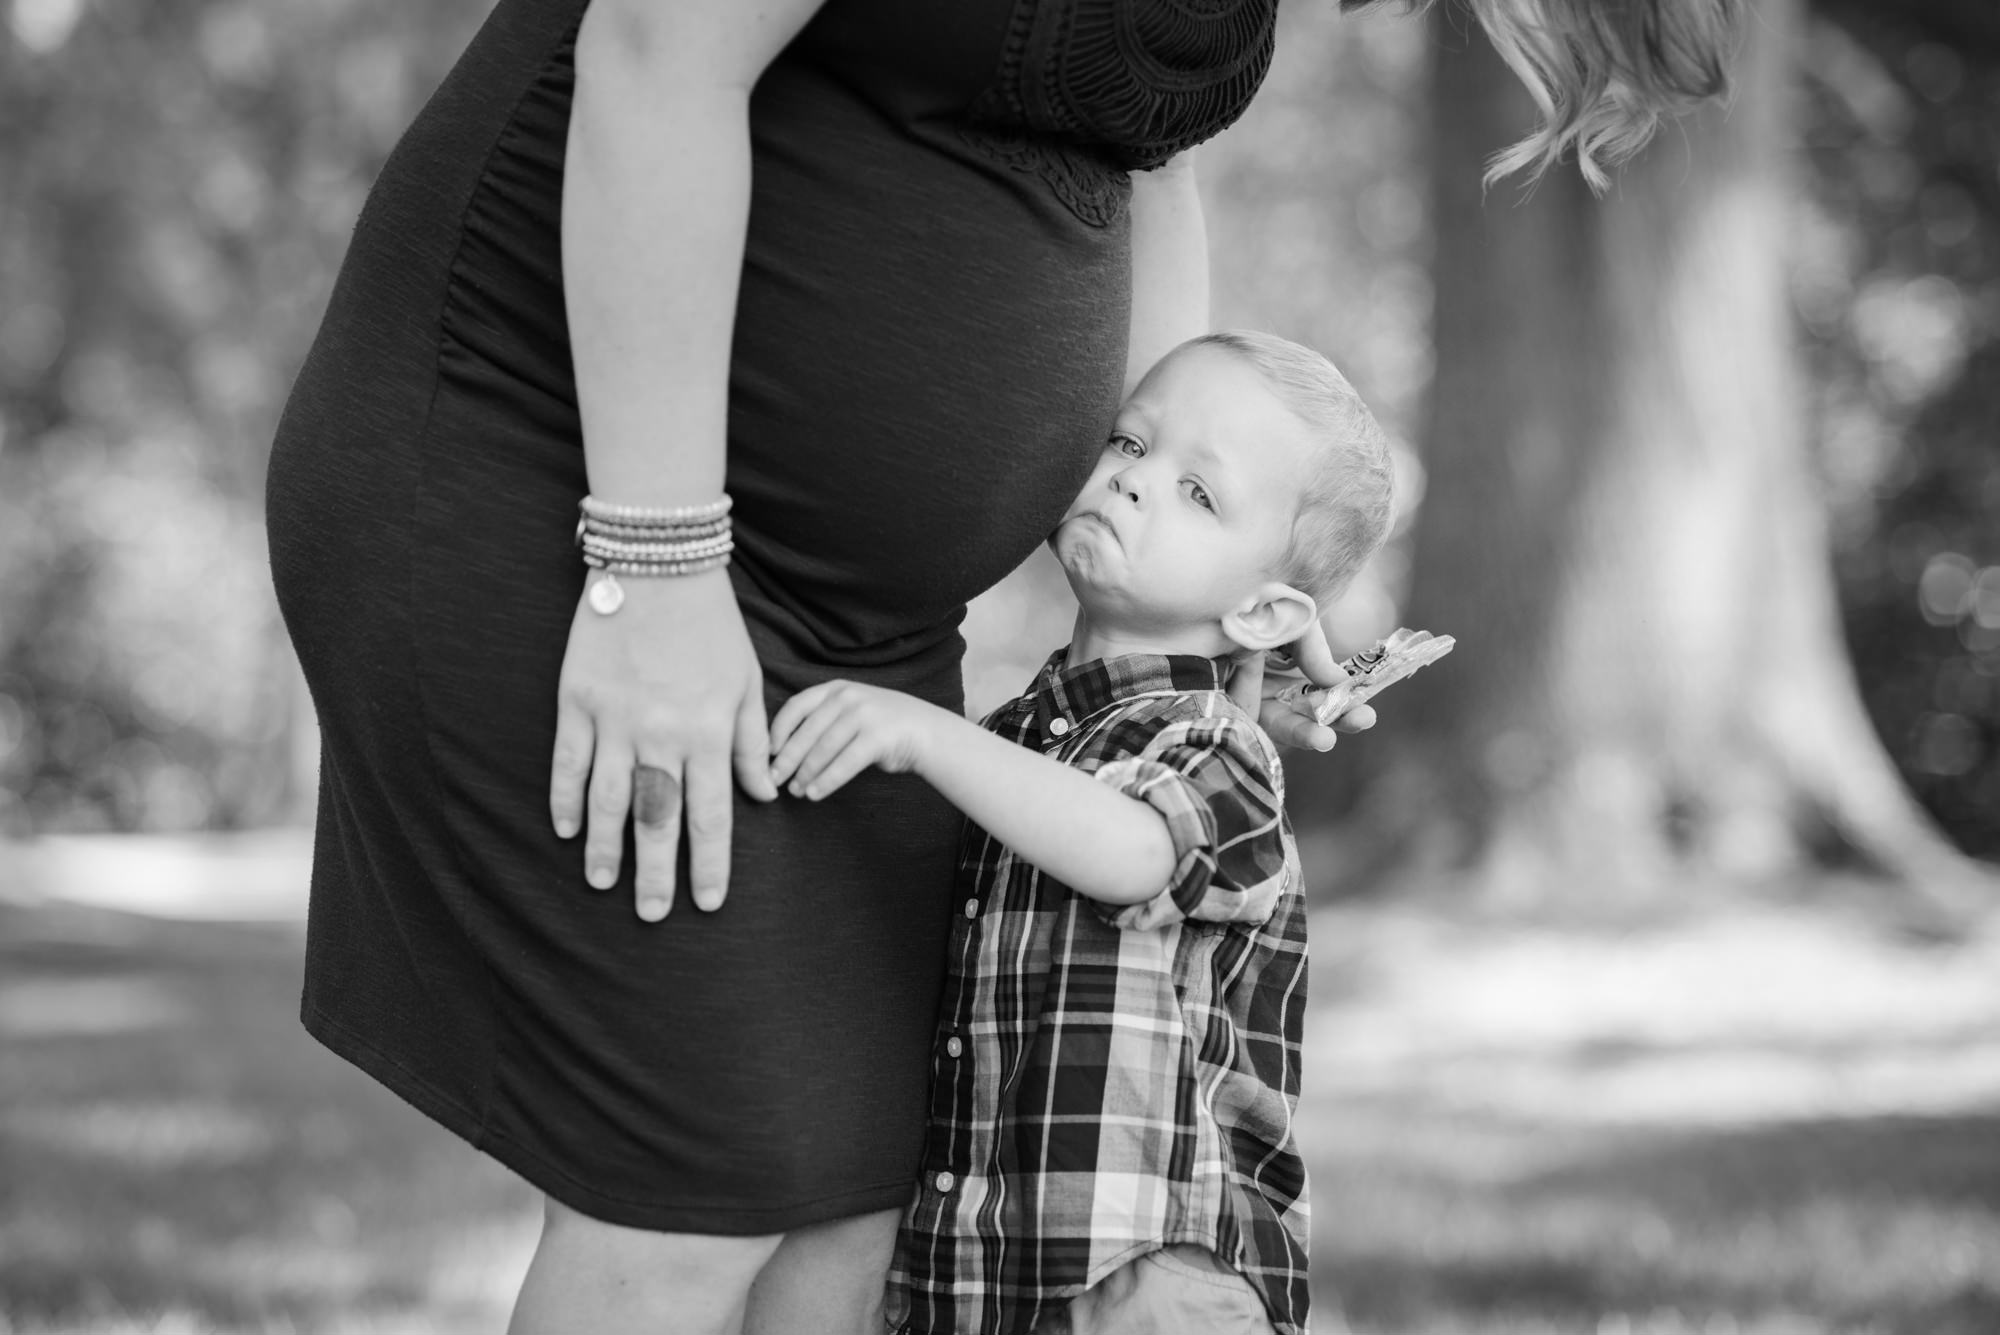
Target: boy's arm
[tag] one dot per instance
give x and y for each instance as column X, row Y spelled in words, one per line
column 1096, row 840
column 1092, row 838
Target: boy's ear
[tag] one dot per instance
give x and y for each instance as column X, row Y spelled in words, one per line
column 1278, row 615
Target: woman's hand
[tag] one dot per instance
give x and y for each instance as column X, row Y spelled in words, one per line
column 654, row 703
column 655, row 698
column 1291, row 723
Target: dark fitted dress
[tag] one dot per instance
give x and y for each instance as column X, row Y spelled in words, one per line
column 929, row 343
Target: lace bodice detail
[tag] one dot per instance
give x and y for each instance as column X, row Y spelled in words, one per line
column 1088, row 89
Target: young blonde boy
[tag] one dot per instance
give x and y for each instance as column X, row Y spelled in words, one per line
column 1110, row 1147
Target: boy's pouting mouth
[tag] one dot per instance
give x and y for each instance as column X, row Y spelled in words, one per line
column 1182, row 539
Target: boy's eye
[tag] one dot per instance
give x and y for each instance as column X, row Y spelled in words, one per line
column 1199, row 494
column 1128, row 444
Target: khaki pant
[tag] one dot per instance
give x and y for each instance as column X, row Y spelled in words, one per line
column 1182, row 1288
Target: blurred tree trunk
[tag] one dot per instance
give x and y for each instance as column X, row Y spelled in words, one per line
column 1623, row 528
column 1964, row 25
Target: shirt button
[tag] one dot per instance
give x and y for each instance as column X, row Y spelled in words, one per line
column 1058, row 726
column 954, row 1046
column 944, row 1182
column 972, row 908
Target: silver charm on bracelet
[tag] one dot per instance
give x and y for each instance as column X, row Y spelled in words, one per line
column 606, row 594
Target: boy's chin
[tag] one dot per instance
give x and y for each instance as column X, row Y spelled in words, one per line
column 1081, row 572
column 1073, row 553
column 1077, row 575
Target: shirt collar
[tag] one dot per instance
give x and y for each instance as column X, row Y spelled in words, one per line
column 1069, row 695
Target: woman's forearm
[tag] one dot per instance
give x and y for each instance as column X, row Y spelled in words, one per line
column 1169, row 265
column 656, row 195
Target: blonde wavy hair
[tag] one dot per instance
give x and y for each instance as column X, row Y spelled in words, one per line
column 1604, row 73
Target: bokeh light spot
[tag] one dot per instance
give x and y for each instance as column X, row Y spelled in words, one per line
column 1935, row 69
column 1947, row 745
column 1986, row 599
column 1944, row 588
column 44, row 25
column 1914, row 330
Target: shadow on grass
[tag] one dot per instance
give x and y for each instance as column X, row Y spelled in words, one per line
column 171, row 1140
column 1887, row 1225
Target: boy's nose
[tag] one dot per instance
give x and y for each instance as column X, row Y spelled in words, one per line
column 1121, row 483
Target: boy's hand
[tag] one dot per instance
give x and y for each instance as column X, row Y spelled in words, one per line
column 827, row 734
column 1291, row 723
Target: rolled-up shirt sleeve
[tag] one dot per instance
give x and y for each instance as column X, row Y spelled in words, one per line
column 1216, row 781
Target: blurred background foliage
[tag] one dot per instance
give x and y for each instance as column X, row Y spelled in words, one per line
column 1897, row 287
column 177, row 182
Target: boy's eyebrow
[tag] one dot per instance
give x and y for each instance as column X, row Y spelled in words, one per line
column 1208, row 456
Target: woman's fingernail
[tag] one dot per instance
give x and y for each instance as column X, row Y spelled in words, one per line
column 602, row 877
column 565, row 829
column 652, row 909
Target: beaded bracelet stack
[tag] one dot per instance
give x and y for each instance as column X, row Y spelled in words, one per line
column 649, row 541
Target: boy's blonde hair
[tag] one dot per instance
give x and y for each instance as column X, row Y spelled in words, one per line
column 1344, row 511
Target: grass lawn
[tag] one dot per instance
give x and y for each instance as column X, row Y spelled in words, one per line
column 176, row 1155
column 1754, row 1124
column 1757, row 1124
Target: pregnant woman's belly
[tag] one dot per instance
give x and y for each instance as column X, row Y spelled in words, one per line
column 927, row 349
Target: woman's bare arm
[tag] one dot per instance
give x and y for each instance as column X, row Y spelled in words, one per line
column 1169, row 265
column 655, row 202
column 656, row 193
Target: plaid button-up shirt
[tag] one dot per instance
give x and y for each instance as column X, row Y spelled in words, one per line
column 1107, row 1081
